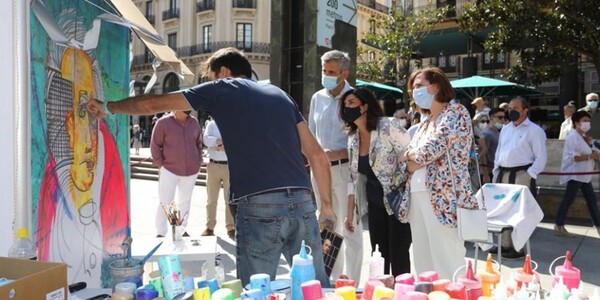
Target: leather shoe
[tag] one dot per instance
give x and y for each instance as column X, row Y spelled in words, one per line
column 208, row 232
column 160, row 236
column 231, row 233
column 185, row 234
column 513, row 254
column 561, row 231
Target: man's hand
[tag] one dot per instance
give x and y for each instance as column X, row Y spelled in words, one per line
column 95, row 108
column 327, row 218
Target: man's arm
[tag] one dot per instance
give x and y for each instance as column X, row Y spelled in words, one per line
column 320, row 167
column 210, row 139
column 156, row 144
column 140, row 105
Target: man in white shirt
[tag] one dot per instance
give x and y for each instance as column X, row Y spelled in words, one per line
column 217, row 173
column 567, row 124
column 521, row 155
column 591, row 100
column 325, row 123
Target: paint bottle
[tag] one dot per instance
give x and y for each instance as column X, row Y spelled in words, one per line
column 472, row 283
column 376, row 263
column 571, row 276
column 489, row 277
column 302, row 271
column 524, row 274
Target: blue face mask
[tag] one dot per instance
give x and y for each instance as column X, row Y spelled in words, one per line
column 423, row 98
column 329, row 82
column 499, row 125
column 593, row 104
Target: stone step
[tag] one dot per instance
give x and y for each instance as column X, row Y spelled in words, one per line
column 142, row 168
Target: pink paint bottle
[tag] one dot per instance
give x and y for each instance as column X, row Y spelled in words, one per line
column 472, row 283
column 526, row 273
column 429, row 276
column 405, row 278
column 571, row 276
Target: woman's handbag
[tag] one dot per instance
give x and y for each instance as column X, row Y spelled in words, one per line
column 394, row 199
column 471, row 222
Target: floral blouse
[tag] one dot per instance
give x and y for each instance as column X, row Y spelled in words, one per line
column 449, row 188
column 388, row 141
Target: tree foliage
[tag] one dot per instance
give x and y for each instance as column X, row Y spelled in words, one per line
column 395, row 39
column 544, row 33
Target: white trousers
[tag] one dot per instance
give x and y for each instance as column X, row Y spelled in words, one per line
column 350, row 257
column 435, row 246
column 168, row 183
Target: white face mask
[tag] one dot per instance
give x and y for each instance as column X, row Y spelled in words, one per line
column 402, row 122
column 482, row 126
column 585, row 126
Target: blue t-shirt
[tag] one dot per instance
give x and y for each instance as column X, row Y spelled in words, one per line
column 258, row 123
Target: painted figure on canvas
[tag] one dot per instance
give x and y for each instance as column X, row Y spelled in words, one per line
column 82, row 213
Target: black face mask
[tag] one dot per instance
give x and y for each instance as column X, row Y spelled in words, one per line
column 351, row 114
column 513, row 115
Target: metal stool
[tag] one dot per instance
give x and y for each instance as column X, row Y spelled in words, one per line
column 497, row 231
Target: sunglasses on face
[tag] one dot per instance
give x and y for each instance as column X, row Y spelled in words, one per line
column 484, row 121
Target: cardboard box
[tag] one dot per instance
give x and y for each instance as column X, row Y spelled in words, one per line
column 33, row 280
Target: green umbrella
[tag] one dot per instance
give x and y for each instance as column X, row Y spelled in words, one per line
column 479, row 86
column 381, row 91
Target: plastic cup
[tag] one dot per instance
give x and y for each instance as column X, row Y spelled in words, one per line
column 235, row 286
column 347, row 292
column 405, row 278
column 382, row 292
column 311, row 290
column 261, row 281
column 369, row 288
column 202, row 293
column 401, row 289
column 222, row 294
column 254, row 294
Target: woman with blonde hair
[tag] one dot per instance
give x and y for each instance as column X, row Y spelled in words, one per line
column 437, row 160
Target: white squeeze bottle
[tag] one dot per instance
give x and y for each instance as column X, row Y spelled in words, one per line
column 23, row 247
column 376, row 263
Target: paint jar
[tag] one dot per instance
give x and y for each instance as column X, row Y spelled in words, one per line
column 171, row 276
column 123, row 270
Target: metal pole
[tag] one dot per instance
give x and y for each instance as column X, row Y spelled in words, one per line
column 22, row 172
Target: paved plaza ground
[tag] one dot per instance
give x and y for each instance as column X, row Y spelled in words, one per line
column 545, row 246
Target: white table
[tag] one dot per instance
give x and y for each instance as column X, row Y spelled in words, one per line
column 186, row 249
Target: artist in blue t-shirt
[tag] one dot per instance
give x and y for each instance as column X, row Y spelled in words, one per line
column 265, row 136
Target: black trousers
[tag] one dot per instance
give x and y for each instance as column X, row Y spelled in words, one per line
column 393, row 238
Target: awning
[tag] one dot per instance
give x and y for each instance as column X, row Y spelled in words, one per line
column 382, row 91
column 147, row 34
column 479, row 86
column 130, row 17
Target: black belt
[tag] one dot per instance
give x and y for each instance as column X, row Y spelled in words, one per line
column 512, row 176
column 339, row 162
column 222, row 162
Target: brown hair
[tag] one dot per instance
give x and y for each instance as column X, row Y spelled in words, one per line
column 434, row 76
column 374, row 111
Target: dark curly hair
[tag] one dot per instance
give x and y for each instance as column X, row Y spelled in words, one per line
column 374, row 110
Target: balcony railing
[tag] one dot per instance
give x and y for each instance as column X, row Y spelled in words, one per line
column 374, row 5
column 141, row 59
column 172, row 13
column 204, row 5
column 264, row 48
column 150, row 19
column 244, row 4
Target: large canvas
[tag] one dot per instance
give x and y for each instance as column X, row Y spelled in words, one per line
column 78, row 165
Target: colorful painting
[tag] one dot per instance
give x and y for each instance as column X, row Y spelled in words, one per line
column 79, row 164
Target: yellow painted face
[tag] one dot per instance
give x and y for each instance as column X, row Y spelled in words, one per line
column 76, row 66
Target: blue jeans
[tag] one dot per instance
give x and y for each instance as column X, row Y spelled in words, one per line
column 273, row 223
column 590, row 198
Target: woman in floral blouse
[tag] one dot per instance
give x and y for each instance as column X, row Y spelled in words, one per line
column 374, row 146
column 439, row 182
